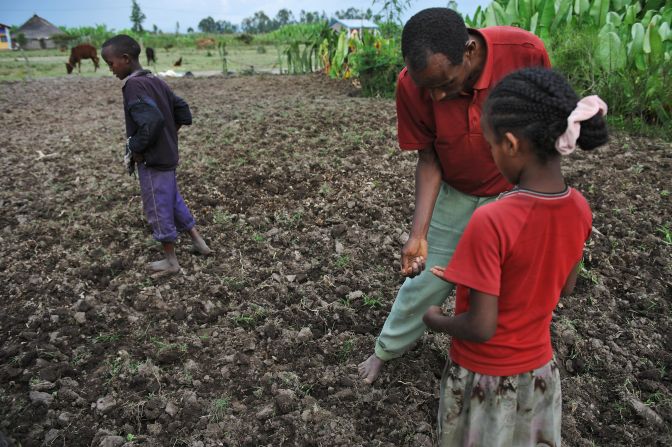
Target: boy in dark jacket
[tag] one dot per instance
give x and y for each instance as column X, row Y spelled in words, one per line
column 154, row 114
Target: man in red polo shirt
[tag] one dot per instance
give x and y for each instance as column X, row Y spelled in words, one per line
column 449, row 72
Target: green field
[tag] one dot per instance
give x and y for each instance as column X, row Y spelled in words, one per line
column 50, row 63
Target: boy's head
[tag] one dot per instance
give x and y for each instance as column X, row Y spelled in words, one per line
column 121, row 55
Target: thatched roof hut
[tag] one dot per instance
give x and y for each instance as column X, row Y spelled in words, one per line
column 39, row 33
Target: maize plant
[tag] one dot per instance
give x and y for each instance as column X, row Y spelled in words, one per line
column 632, row 36
column 301, row 45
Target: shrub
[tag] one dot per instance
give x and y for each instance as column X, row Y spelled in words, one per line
column 377, row 63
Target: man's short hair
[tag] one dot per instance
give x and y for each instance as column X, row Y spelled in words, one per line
column 123, row 44
column 433, row 30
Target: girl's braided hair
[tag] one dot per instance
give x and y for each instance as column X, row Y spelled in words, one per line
column 534, row 104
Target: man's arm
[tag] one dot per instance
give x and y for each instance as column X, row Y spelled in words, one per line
column 427, row 184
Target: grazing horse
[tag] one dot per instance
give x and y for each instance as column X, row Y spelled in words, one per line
column 151, row 57
column 83, row 51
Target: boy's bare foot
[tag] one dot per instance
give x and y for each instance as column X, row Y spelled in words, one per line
column 199, row 245
column 163, row 267
column 370, row 368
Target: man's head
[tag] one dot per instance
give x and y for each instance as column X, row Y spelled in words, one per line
column 438, row 52
column 121, row 55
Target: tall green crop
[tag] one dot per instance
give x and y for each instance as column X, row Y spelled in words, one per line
column 630, row 46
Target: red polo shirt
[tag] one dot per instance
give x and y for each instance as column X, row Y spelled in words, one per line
column 520, row 249
column 453, row 126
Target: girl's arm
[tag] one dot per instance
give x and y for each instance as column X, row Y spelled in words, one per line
column 478, row 324
column 568, row 288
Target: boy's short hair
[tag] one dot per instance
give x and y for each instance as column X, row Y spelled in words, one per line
column 124, row 44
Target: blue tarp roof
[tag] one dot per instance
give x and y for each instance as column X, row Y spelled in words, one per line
column 355, row 23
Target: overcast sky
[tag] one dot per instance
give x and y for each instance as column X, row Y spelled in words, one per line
column 165, row 13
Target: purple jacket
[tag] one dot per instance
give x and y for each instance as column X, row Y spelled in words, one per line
column 152, row 113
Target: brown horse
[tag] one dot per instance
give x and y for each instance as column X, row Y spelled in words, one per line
column 83, row 51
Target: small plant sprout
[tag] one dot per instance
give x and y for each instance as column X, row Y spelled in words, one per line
column 221, row 217
column 342, row 261
column 218, row 408
column 371, row 301
column 346, row 350
column 667, row 234
column 587, row 274
column 131, row 437
column 107, row 338
column 250, row 319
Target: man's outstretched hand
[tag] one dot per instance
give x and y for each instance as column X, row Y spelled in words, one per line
column 413, row 257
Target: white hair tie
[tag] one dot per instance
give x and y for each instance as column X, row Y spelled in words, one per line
column 585, row 109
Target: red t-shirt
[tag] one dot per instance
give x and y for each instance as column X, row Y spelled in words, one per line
column 520, row 248
column 453, row 126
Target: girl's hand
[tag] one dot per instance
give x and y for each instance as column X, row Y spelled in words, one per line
column 438, row 271
column 434, row 318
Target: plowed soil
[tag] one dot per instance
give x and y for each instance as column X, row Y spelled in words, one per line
column 298, row 186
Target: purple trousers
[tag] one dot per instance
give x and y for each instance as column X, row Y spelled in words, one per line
column 163, row 205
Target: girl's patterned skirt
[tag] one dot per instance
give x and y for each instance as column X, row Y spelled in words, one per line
column 477, row 410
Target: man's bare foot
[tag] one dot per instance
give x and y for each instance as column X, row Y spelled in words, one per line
column 163, row 267
column 370, row 368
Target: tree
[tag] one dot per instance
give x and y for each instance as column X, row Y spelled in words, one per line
column 259, row 23
column 393, row 10
column 22, row 41
column 284, row 17
column 351, row 13
column 312, row 17
column 207, row 25
column 190, row 30
column 177, row 28
column 226, row 27
column 137, row 17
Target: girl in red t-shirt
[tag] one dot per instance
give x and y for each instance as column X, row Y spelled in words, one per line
column 518, row 255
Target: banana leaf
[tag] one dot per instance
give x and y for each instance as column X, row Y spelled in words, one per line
column 610, row 52
column 653, row 43
column 533, row 23
column 512, row 15
column 614, row 19
column 636, row 46
column 581, row 7
column 598, row 12
column 631, row 14
column 664, row 31
column 563, row 8
column 546, row 14
column 525, row 11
